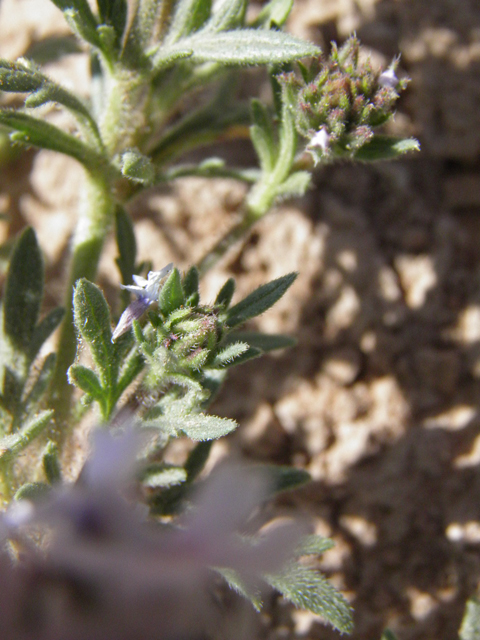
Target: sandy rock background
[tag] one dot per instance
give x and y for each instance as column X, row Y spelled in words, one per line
column 380, row 400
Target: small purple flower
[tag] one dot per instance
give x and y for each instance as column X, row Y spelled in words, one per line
column 147, row 291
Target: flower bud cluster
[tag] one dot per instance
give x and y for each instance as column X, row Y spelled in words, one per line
column 340, row 100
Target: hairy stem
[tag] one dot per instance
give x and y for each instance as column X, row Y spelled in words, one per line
column 96, row 220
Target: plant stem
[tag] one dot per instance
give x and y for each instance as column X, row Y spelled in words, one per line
column 95, row 221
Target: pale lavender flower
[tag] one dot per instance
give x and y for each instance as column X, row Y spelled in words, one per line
column 125, row 576
column 388, row 78
column 146, row 292
column 319, row 144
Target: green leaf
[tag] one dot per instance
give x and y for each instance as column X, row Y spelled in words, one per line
column 114, row 12
column 171, row 295
column 23, row 76
column 43, row 331
column 226, row 356
column 261, row 134
column 197, row 459
column 190, row 15
column 164, row 57
column 86, row 380
column 309, row 589
column 470, row 629
column 33, row 491
column 38, row 133
column 227, row 14
column 137, row 167
column 129, row 371
column 383, row 147
column 12, row 445
column 162, row 475
column 92, row 319
column 126, row 243
column 20, row 76
column 42, row 382
column 190, row 286
column 51, row 464
column 225, row 294
column 264, row 341
column 81, row 21
column 238, row 585
column 285, row 478
column 389, row 635
column 245, row 47
column 235, row 354
column 23, row 291
column 259, row 300
column 295, row 186
column 314, row 545
column 199, row 427
column 275, row 13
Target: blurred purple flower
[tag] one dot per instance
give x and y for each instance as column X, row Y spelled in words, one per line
column 125, row 576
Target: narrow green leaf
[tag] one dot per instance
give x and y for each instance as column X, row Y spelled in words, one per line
column 383, row 147
column 19, row 77
column 12, row 445
column 225, row 294
column 33, row 491
column 195, row 361
column 137, row 167
column 226, row 356
column 238, row 585
column 313, row 545
column 114, row 12
column 227, row 14
column 197, row 459
column 245, row 47
column 12, row 385
column 199, row 427
column 81, row 21
column 43, row 331
column 92, row 319
column 38, row 133
column 51, row 464
column 86, row 380
column 261, row 133
column 264, row 341
column 190, row 283
column 259, row 300
column 164, row 57
column 23, row 291
column 126, row 243
column 274, row 14
column 285, row 478
column 23, row 76
column 171, row 295
column 295, row 186
column 42, row 382
column 470, row 629
column 235, row 354
column 389, row 635
column 177, row 318
column 309, row 589
column 162, row 476
column 133, row 366
column 190, row 15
